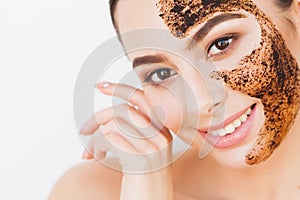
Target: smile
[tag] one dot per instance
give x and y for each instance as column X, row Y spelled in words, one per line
column 233, row 131
column 231, row 127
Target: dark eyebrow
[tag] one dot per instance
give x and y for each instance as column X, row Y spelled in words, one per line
column 210, row 24
column 149, row 59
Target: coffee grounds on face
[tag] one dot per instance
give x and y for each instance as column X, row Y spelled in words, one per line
column 270, row 73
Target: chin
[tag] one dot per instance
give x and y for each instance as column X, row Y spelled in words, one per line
column 232, row 158
column 235, row 156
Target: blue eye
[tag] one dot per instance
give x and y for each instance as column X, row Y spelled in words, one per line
column 219, row 46
column 160, row 75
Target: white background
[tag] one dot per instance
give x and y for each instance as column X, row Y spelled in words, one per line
column 42, row 47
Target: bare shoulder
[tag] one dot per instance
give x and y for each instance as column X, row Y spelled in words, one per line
column 89, row 180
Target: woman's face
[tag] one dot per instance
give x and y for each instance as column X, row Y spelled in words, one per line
column 229, row 78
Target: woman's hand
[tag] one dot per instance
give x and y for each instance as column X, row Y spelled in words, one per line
column 141, row 143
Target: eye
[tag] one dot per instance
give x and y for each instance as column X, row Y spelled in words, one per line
column 160, row 75
column 219, row 46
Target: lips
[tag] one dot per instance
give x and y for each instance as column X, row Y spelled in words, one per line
column 233, row 131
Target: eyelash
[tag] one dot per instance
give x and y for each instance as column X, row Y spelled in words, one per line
column 150, row 75
column 217, row 56
column 222, row 53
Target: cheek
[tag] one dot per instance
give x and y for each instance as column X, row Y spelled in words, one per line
column 270, row 74
column 289, row 34
column 166, row 107
column 245, row 46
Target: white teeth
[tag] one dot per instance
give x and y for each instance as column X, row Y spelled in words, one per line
column 222, row 132
column 215, row 133
column 231, row 127
column 243, row 118
column 248, row 112
column 237, row 123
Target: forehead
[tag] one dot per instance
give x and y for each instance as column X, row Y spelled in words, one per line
column 135, row 18
column 137, row 14
column 178, row 15
column 178, row 18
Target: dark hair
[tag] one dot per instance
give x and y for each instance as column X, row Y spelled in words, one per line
column 112, row 6
column 283, row 4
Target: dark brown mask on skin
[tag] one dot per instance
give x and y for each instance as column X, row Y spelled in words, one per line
column 269, row 73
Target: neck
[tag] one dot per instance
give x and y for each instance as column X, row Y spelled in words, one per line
column 279, row 174
column 276, row 178
column 286, row 156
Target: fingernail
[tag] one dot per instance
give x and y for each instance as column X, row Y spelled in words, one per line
column 83, row 128
column 86, row 155
column 103, row 85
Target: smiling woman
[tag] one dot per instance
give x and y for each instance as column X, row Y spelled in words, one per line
column 245, row 81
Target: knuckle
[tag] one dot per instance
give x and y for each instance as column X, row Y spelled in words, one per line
column 164, row 139
column 107, row 132
column 120, row 110
column 135, row 96
column 99, row 113
column 167, row 135
column 118, row 124
column 147, row 147
column 123, row 107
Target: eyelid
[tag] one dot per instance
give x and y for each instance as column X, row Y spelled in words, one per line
column 233, row 46
column 232, row 27
column 142, row 70
column 151, row 73
column 233, row 36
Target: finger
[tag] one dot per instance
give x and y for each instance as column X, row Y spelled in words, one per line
column 141, row 130
column 106, row 115
column 98, row 152
column 129, row 148
column 128, row 93
column 132, row 118
column 127, row 155
column 132, row 135
column 143, row 150
column 102, row 142
column 115, row 143
column 134, row 96
column 87, row 155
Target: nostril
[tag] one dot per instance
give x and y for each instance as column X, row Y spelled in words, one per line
column 220, row 101
column 214, row 106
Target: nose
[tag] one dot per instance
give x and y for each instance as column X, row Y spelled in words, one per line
column 215, row 107
column 209, row 95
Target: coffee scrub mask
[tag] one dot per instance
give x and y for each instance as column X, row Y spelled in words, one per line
column 269, row 73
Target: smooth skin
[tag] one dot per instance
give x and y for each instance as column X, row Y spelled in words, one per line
column 188, row 178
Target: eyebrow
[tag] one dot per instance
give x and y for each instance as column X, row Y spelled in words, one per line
column 210, row 24
column 198, row 36
column 149, row 59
